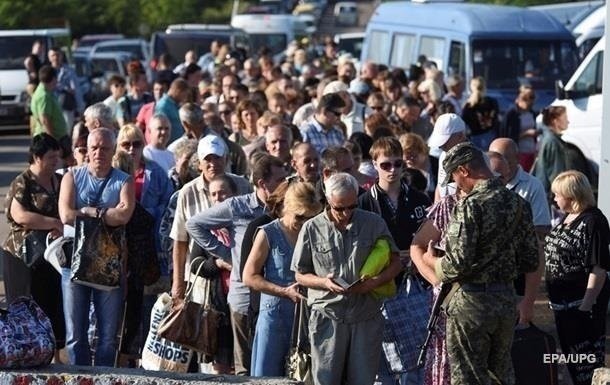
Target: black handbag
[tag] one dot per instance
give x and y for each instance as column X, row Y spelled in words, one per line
column 67, row 100
column 33, row 247
column 142, row 258
column 98, row 249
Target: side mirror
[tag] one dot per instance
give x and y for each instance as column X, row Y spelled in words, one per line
column 560, row 92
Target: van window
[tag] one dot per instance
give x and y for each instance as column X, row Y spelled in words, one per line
column 379, row 47
column 14, row 50
column 590, row 80
column 434, row 49
column 505, row 64
column 402, row 50
column 457, row 59
column 276, row 42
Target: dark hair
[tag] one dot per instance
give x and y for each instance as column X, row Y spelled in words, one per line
column 262, row 167
column 46, row 74
column 330, row 102
column 227, row 180
column 260, row 99
column 364, row 142
column 382, row 132
column 190, row 69
column 330, row 157
column 408, row 101
column 550, row 113
column 239, row 87
column 116, row 80
column 41, row 144
column 415, row 179
column 444, row 108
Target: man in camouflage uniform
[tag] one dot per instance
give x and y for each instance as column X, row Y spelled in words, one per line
column 490, row 239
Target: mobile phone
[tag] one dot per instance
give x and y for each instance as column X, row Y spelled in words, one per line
column 343, row 283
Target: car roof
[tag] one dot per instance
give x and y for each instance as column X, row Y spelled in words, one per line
column 36, row 32
column 120, row 42
column 474, row 19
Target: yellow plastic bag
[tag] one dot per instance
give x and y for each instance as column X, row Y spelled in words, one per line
column 379, row 259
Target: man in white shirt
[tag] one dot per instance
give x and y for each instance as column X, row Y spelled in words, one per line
column 156, row 149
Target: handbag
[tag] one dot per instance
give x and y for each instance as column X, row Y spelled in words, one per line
column 33, row 247
column 405, row 320
column 66, row 100
column 159, row 353
column 26, row 336
column 96, row 260
column 192, row 324
column 298, row 361
column 59, row 252
column 142, row 258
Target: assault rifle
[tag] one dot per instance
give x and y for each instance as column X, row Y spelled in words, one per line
column 439, row 304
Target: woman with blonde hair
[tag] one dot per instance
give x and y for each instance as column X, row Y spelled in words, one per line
column 481, row 114
column 268, row 270
column 415, row 154
column 153, row 190
column 577, row 259
column 430, row 94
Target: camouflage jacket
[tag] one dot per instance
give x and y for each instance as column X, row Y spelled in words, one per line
column 484, row 244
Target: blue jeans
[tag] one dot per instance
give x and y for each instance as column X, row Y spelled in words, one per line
column 413, row 377
column 108, row 309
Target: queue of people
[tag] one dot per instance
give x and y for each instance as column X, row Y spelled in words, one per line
column 284, row 177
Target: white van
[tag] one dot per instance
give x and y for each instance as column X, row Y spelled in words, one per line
column 582, row 98
column 507, row 46
column 15, row 45
column 590, row 30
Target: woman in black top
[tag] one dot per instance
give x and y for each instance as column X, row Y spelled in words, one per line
column 577, row 258
column 481, row 115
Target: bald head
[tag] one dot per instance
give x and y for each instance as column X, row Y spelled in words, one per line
column 510, row 151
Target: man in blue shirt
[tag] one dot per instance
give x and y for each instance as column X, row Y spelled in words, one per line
column 321, row 129
column 169, row 105
column 235, row 214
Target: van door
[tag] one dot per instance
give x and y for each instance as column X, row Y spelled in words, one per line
column 584, row 108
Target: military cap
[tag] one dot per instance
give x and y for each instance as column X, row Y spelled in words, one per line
column 459, row 155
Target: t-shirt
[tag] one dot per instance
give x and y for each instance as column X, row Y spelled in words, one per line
column 571, row 250
column 45, row 103
column 163, row 158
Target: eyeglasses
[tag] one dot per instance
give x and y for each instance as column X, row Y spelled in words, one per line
column 337, row 114
column 346, row 208
column 134, row 144
column 389, row 166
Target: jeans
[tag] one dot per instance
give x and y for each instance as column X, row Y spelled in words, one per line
column 108, row 309
column 384, row 377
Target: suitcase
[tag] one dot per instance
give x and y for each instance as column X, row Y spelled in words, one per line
column 529, row 347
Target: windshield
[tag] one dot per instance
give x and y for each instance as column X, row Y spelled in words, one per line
column 101, row 66
column 134, row 49
column 275, row 42
column 178, row 44
column 351, row 45
column 505, row 64
column 14, row 50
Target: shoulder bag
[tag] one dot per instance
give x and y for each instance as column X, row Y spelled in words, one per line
column 298, row 361
column 194, row 325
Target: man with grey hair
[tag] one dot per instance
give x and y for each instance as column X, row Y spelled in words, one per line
column 331, row 249
column 278, row 140
column 99, row 115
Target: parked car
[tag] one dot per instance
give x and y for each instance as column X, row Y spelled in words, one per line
column 138, row 49
column 178, row 39
column 346, row 13
column 102, row 66
column 86, row 42
column 15, row 45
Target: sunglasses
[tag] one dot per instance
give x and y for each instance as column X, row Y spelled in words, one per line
column 346, row 208
column 389, row 166
column 134, row 144
column 337, row 114
column 81, row 150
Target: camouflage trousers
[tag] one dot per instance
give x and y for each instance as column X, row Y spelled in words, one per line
column 480, row 328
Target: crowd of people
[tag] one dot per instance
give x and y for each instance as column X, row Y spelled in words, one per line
column 284, row 176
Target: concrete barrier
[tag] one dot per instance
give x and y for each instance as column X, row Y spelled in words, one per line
column 80, row 375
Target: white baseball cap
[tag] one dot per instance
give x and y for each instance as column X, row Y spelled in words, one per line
column 445, row 126
column 211, row 144
column 334, row 87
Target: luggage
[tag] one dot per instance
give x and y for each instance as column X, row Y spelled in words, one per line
column 529, row 347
